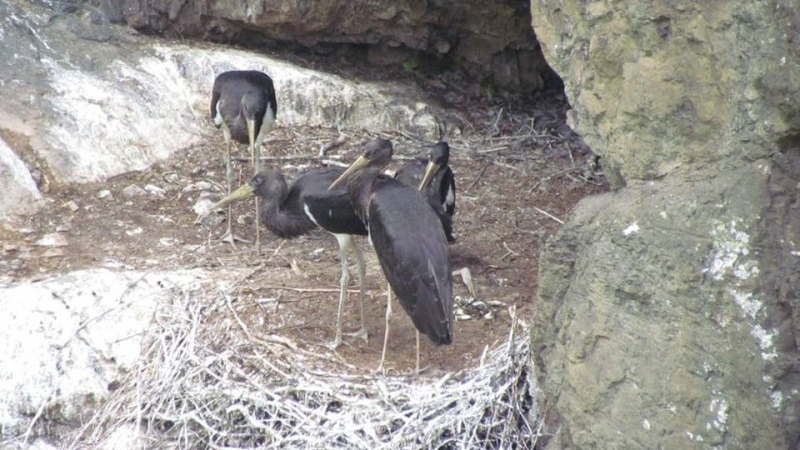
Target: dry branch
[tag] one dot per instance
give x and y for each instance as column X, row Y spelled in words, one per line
column 187, row 391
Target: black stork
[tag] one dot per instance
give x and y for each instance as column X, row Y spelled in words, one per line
column 243, row 104
column 410, row 243
column 433, row 176
column 289, row 212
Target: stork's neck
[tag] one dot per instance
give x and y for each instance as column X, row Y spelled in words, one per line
column 359, row 188
column 282, row 221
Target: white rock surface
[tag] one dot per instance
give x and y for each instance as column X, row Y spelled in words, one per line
column 19, row 192
column 92, row 110
column 64, row 339
column 138, row 112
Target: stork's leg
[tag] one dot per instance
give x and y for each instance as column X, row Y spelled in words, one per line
column 229, row 236
column 255, row 157
column 343, row 240
column 386, row 333
column 417, row 352
column 362, row 273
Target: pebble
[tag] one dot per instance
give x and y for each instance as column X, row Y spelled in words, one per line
column 202, row 206
column 52, row 240
column 200, row 249
column 63, row 228
column 71, row 205
column 134, row 231
column 168, row 242
column 199, row 186
column 172, row 178
column 133, row 191
column 155, row 190
column 105, row 193
column 53, row 253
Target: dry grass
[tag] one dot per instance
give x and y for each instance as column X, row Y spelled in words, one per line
column 198, row 385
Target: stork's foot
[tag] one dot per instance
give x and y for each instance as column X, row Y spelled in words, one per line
column 232, row 238
column 335, row 344
column 361, row 334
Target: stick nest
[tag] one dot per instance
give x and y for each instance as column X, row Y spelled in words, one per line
column 199, row 386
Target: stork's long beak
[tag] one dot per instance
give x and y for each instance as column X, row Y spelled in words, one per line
column 357, row 164
column 244, row 192
column 430, row 171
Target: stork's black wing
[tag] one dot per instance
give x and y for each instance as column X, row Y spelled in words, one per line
column 331, row 210
column 440, row 192
column 412, row 250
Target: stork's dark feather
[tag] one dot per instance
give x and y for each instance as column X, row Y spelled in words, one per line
column 412, row 250
column 441, row 190
column 408, row 238
column 292, row 211
column 241, row 94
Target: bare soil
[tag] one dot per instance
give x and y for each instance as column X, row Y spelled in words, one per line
column 516, row 181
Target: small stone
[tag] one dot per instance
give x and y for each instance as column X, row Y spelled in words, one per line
column 63, row 228
column 199, row 186
column 52, row 240
column 105, row 193
column 202, row 206
column 133, row 191
column 134, row 231
column 155, row 190
column 53, row 253
column 172, row 178
column 168, row 242
column 71, row 205
column 8, row 248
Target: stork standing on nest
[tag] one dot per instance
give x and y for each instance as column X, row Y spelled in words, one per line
column 243, row 104
column 289, row 212
column 433, row 177
column 410, row 243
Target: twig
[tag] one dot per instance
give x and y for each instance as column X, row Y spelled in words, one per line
column 289, row 288
column 480, row 175
column 325, row 148
column 547, row 178
column 286, row 158
column 507, row 166
column 549, row 215
column 36, row 417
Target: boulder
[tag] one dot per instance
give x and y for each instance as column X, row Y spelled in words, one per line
column 490, row 40
column 668, row 309
column 66, row 341
column 94, row 111
column 658, row 86
column 20, row 194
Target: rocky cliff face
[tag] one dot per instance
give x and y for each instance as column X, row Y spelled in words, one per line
column 490, row 40
column 669, row 308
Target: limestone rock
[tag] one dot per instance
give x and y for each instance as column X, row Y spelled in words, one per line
column 491, row 40
column 665, row 316
column 66, row 340
column 93, row 111
column 658, row 86
column 20, row 194
column 668, row 310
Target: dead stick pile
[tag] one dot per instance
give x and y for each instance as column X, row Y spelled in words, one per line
column 188, row 391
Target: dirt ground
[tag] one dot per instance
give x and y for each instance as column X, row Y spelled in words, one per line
column 515, row 182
